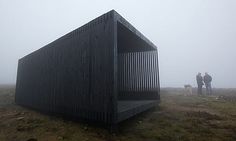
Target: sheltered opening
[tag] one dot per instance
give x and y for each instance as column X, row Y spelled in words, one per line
column 138, row 81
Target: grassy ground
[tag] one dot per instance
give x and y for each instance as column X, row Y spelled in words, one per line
column 177, row 118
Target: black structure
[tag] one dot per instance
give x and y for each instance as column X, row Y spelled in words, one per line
column 104, row 71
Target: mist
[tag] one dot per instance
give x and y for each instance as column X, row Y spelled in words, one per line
column 191, row 35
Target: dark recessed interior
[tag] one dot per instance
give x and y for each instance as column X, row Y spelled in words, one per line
column 129, row 42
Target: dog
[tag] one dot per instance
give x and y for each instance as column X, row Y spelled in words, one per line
column 188, row 89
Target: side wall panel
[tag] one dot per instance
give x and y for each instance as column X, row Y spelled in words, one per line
column 72, row 75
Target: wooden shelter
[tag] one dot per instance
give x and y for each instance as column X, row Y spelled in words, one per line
column 104, row 71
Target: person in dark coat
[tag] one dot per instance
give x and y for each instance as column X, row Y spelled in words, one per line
column 199, row 83
column 207, row 80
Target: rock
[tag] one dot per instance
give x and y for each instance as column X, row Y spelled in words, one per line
column 86, row 128
column 20, row 118
column 60, row 138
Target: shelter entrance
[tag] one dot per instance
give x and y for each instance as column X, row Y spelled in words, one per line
column 138, row 82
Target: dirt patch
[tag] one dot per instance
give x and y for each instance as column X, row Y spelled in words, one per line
column 230, row 98
column 203, row 114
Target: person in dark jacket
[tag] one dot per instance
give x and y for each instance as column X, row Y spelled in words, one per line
column 199, row 83
column 207, row 80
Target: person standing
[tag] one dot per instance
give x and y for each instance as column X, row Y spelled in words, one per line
column 207, row 80
column 199, row 83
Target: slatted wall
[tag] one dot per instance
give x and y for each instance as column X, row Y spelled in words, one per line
column 138, row 75
column 73, row 75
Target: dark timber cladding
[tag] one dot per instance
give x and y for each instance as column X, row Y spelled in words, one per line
column 104, row 71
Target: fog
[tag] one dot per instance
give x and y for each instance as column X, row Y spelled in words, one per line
column 191, row 35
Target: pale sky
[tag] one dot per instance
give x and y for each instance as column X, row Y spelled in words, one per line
column 191, row 35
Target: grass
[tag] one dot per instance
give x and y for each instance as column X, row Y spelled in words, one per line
column 177, row 118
